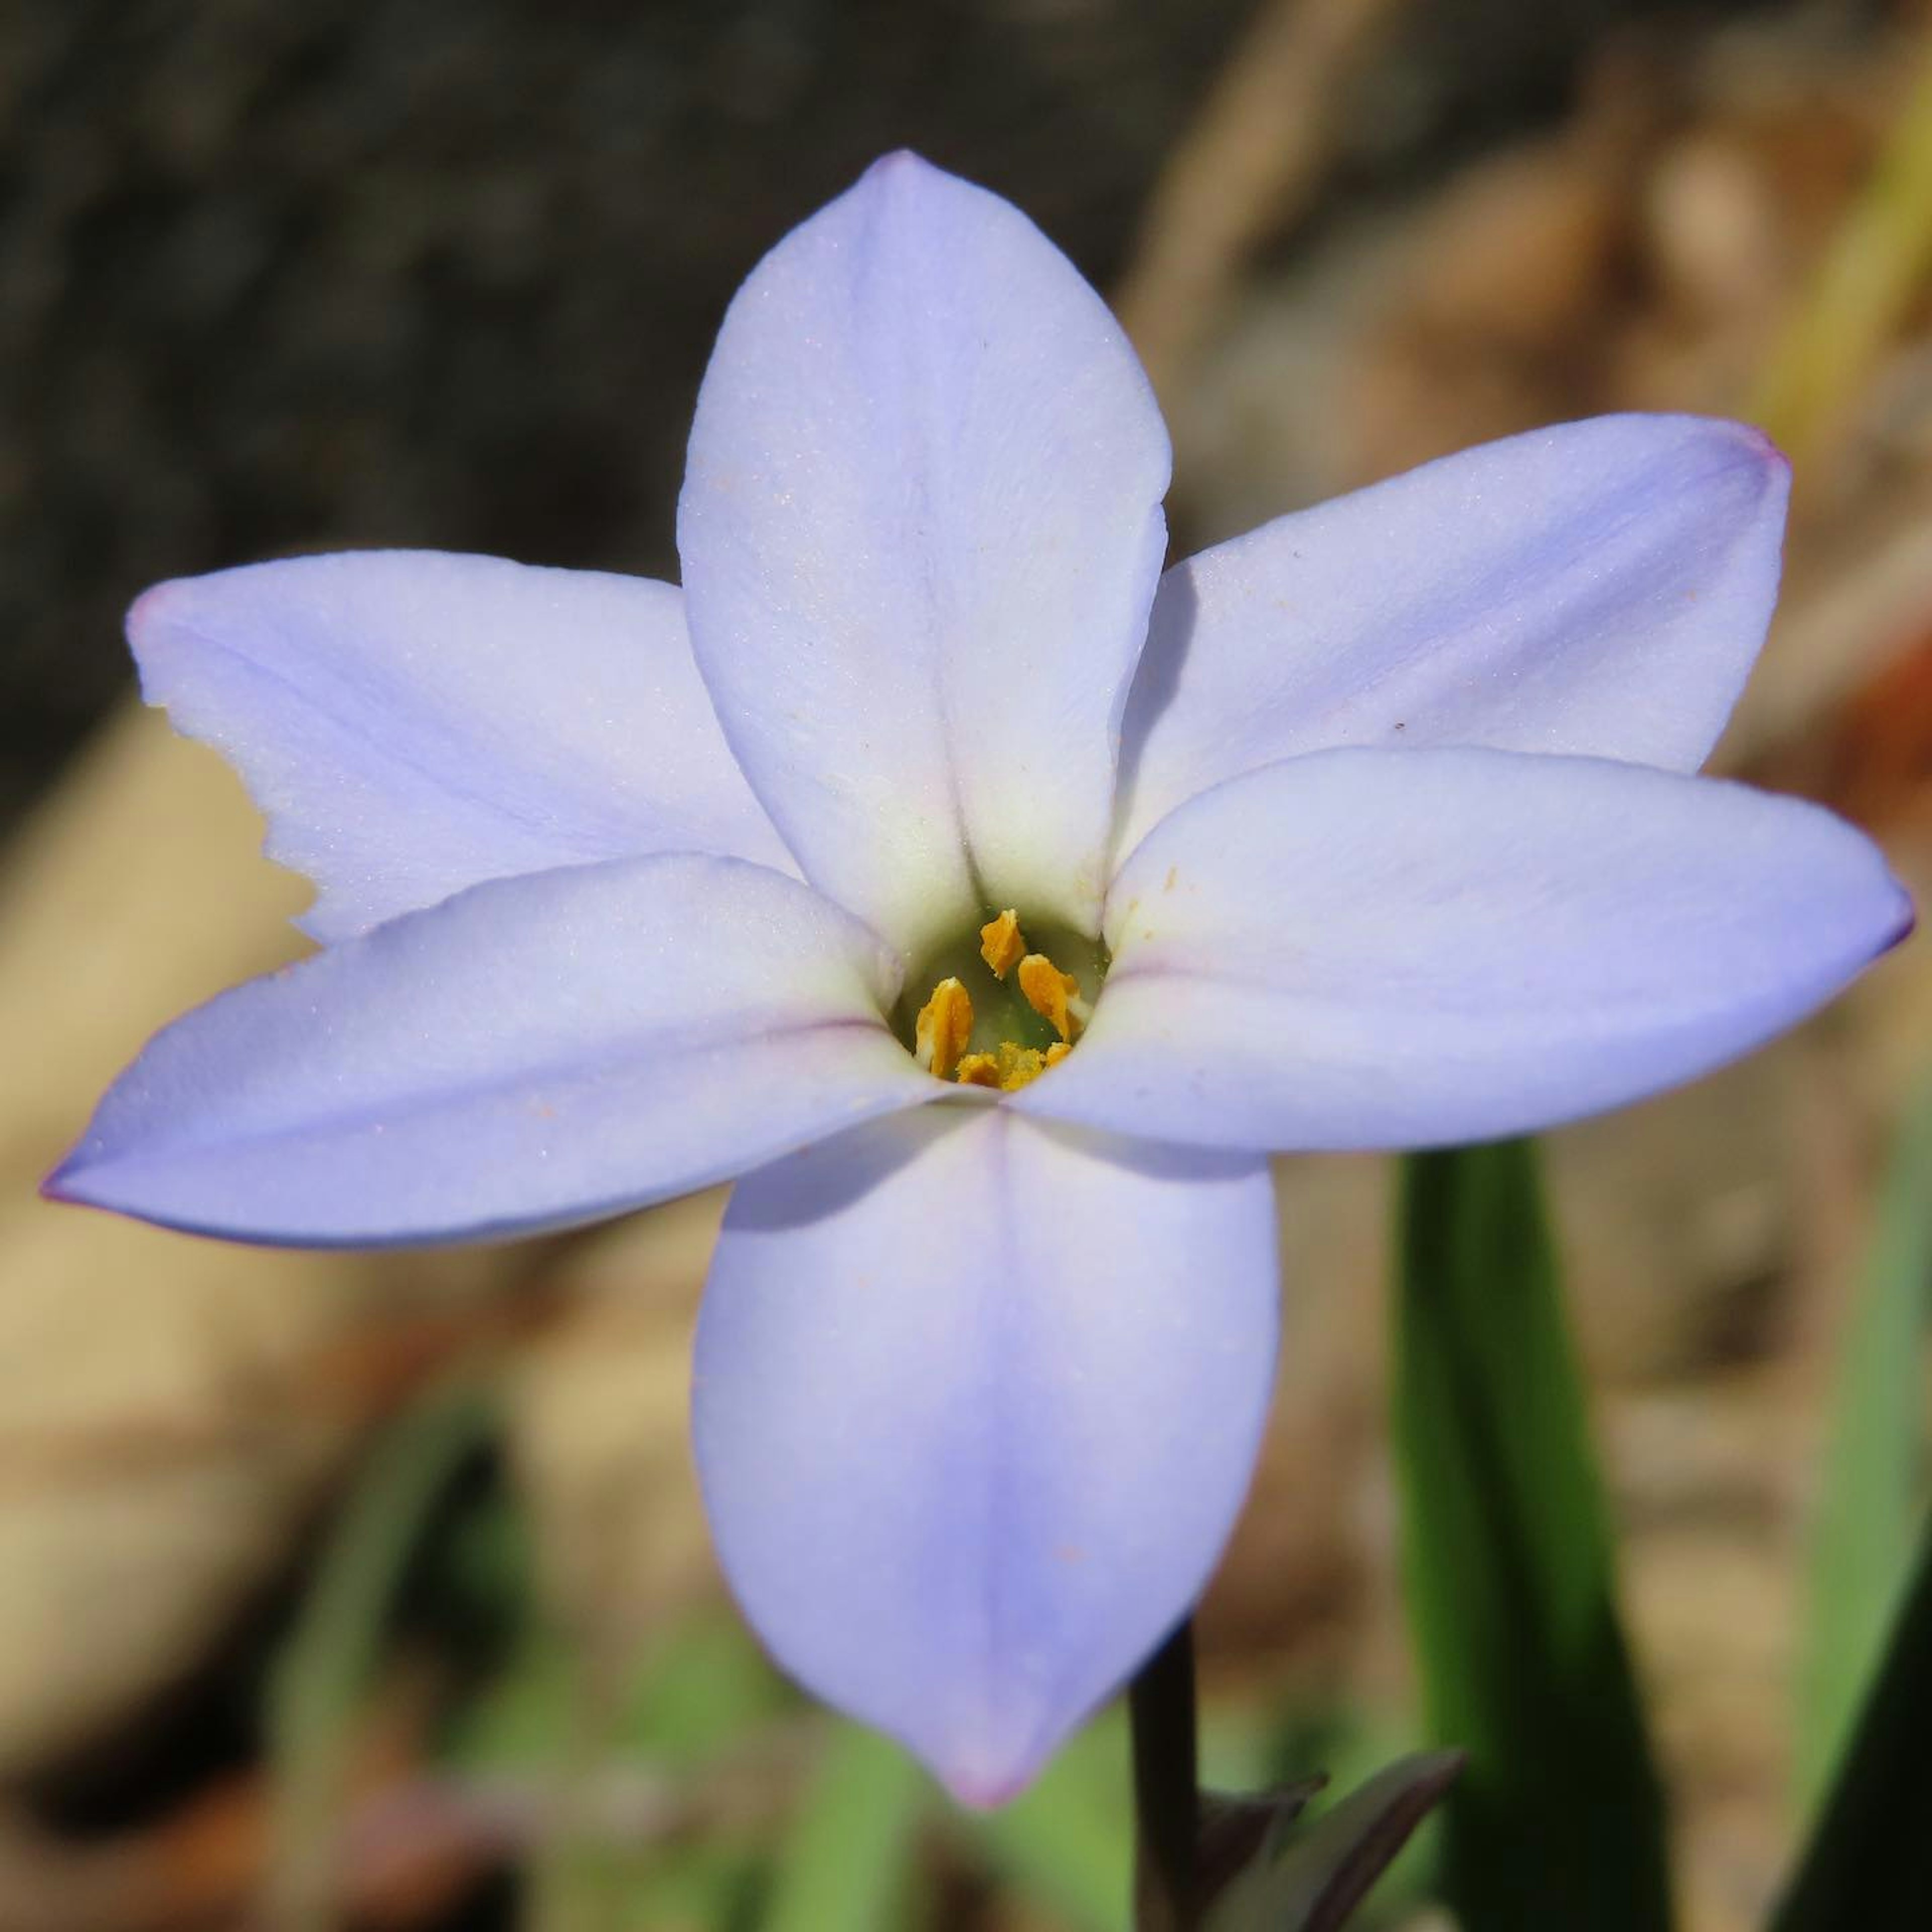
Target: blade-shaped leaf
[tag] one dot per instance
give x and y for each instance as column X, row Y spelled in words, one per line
column 1558, row 1820
column 1867, row 1509
column 849, row 1857
column 1310, row 1878
column 1238, row 1831
column 1870, row 1867
column 334, row 1650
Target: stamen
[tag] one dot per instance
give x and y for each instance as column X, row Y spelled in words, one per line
column 1009, row 1069
column 1002, row 944
column 943, row 1032
column 944, row 1025
column 1019, row 1065
column 1054, row 995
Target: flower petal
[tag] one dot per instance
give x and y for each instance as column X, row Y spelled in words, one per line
column 920, row 530
column 535, row 1052
column 413, row 722
column 1400, row 949
column 1600, row 589
column 977, row 1402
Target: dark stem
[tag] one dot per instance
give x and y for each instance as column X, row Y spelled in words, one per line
column 1167, row 1796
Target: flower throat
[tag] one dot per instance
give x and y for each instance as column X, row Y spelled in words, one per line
column 1018, row 1038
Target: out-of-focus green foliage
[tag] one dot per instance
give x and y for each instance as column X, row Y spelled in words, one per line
column 1310, row 1876
column 1558, row 1820
column 333, row 1653
column 1869, row 1868
column 666, row 1789
column 703, row 1690
column 1350, row 1751
column 1868, row 1501
column 691, row 1719
column 1873, row 274
column 848, row 1861
column 1066, row 1845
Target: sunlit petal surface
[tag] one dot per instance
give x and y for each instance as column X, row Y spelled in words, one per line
column 976, row 1404
column 1389, row 832
column 535, row 1052
column 1600, row 588
column 413, row 722
column 920, row 531
column 1403, row 948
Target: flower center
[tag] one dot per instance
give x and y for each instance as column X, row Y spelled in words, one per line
column 991, row 1049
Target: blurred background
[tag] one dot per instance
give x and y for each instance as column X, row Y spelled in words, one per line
column 340, row 1591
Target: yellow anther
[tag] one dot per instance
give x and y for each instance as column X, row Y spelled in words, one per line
column 1009, row 1069
column 944, row 1025
column 1019, row 1065
column 1002, row 944
column 1054, row 995
column 943, row 1030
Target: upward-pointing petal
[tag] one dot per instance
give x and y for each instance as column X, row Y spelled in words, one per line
column 532, row 1052
column 920, row 530
column 1600, row 589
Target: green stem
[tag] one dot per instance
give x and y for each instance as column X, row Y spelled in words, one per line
column 1167, row 1794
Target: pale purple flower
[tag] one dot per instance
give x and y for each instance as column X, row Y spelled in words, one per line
column 1381, row 829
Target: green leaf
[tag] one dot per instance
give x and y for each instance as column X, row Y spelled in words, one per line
column 1352, row 1746
column 331, row 1655
column 519, row 1723
column 1861, row 295
column 850, row 1855
column 1870, row 1866
column 703, row 1689
column 1866, row 1524
column 1310, row 1878
column 548, row 1723
column 704, row 1882
column 1558, row 1820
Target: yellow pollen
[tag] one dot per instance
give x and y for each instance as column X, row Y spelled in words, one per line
column 943, row 1033
column 944, row 1025
column 1009, row 1069
column 1054, row 995
column 1002, row 944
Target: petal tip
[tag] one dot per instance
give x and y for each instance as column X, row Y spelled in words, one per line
column 155, row 612
column 146, row 608
column 979, row 1790
column 72, row 1180
column 1758, row 442
column 1891, row 911
column 1773, row 465
column 54, row 1184
column 1742, row 449
column 902, row 164
column 905, row 172
column 1904, row 921
column 985, row 1773
column 1727, row 442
